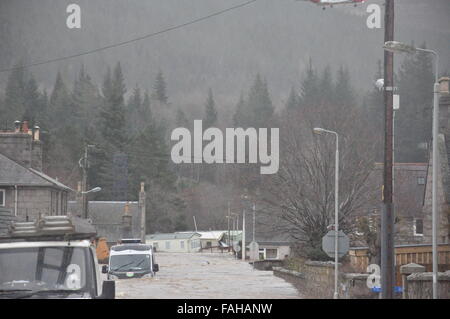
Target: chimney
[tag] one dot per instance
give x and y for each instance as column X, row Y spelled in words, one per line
column 17, row 126
column 36, row 133
column 25, row 127
column 126, row 222
column 444, row 85
column 36, row 148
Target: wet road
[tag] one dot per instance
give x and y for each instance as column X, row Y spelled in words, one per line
column 205, row 275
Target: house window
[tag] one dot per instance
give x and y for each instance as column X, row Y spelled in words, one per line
column 271, row 253
column 418, row 227
column 167, row 244
column 2, row 198
column 421, row 180
column 182, row 244
column 208, row 244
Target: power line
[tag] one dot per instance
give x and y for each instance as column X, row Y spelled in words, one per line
column 131, row 40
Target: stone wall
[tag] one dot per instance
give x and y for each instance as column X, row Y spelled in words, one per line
column 316, row 280
column 32, row 201
column 420, row 285
column 266, row 264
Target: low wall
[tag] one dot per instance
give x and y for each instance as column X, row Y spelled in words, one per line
column 316, row 280
column 420, row 285
column 266, row 264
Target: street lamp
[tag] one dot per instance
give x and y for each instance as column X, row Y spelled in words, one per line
column 85, row 202
column 94, row 190
column 399, row 47
column 318, row 130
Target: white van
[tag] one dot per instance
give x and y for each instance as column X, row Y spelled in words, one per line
column 131, row 260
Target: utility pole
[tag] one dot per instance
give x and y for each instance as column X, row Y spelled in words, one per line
column 243, row 235
column 254, row 220
column 195, row 223
column 228, row 221
column 387, row 217
column 84, row 183
column 142, row 197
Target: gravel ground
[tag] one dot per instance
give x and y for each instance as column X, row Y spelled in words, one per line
column 205, row 275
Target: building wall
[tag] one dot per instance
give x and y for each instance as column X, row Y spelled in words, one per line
column 32, row 201
column 282, row 251
column 175, row 245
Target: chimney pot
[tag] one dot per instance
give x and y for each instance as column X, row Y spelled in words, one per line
column 17, row 126
column 25, row 127
column 444, row 85
column 36, row 135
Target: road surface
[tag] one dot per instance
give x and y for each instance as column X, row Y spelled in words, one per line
column 205, row 275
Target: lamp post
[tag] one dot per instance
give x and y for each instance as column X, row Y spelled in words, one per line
column 319, row 131
column 84, row 200
column 399, row 47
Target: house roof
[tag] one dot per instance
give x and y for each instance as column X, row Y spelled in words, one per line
column 169, row 236
column 12, row 173
column 106, row 216
column 214, row 235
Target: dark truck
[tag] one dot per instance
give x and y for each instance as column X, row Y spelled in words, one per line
column 53, row 257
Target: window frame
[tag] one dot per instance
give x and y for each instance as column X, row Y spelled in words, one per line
column 415, row 227
column 3, row 197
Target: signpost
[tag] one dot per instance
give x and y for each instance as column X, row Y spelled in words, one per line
column 328, row 243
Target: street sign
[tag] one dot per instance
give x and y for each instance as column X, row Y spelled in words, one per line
column 328, row 243
column 237, row 247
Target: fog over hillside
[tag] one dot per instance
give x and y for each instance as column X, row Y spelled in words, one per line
column 274, row 38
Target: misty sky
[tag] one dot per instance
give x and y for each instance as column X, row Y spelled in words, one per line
column 274, row 38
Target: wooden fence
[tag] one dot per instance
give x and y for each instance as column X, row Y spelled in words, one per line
column 405, row 254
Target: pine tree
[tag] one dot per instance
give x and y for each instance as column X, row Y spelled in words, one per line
column 181, row 119
column 62, row 110
column 14, row 104
column 309, row 96
column 87, row 101
column 134, row 108
column 112, row 114
column 111, row 162
column 259, row 107
column 32, row 102
column 414, row 118
column 210, row 117
column 160, row 88
column 326, row 86
column 238, row 116
column 292, row 101
column 343, row 92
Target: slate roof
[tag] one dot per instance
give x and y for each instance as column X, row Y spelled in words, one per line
column 12, row 173
column 169, row 236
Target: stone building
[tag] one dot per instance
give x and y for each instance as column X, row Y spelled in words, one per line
column 25, row 191
column 443, row 187
column 113, row 220
column 409, row 190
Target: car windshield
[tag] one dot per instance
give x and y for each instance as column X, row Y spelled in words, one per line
column 130, row 262
column 43, row 269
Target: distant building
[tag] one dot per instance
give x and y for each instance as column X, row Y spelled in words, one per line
column 212, row 239
column 25, row 191
column 181, row 242
column 409, row 191
column 113, row 220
